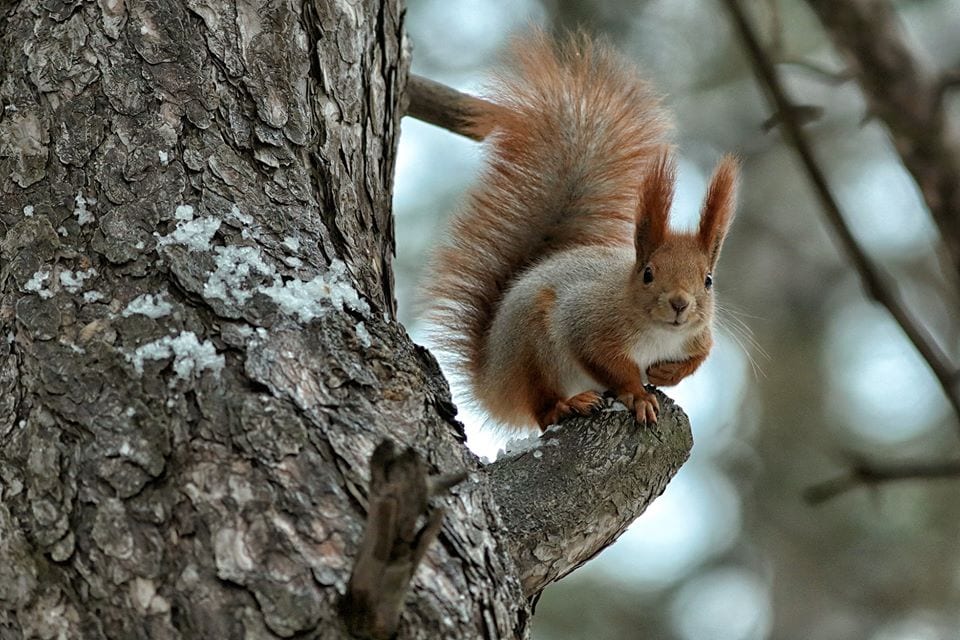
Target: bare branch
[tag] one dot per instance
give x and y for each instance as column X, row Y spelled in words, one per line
column 802, row 114
column 877, row 284
column 574, row 494
column 907, row 98
column 445, row 107
column 863, row 473
column 392, row 544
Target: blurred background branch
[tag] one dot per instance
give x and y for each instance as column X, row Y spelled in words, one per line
column 866, row 473
column 444, row 107
column 878, row 285
column 907, row 98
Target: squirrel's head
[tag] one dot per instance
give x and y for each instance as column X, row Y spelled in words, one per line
column 673, row 275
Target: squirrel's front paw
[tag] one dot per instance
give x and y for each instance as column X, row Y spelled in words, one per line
column 666, row 374
column 644, row 406
column 582, row 404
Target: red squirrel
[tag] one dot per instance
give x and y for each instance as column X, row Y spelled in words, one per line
column 561, row 279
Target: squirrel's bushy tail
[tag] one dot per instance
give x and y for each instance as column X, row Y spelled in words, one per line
column 575, row 130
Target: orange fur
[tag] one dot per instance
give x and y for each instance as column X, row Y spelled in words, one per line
column 667, row 374
column 718, row 207
column 577, row 158
column 574, row 129
column 544, row 403
column 653, row 207
column 622, row 376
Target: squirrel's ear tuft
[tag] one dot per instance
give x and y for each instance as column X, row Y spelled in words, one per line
column 719, row 207
column 653, row 206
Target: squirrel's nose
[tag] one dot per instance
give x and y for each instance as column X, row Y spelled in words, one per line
column 679, row 303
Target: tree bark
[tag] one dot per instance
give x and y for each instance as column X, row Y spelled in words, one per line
column 198, row 347
column 573, row 495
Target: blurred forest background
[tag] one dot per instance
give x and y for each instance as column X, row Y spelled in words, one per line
column 732, row 550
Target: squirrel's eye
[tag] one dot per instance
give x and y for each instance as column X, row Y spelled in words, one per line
column 647, row 275
column 708, row 283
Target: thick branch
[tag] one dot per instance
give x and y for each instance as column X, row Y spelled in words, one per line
column 878, row 285
column 907, row 98
column 589, row 478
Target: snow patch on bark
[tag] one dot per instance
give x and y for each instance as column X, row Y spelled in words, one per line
column 80, row 209
column 234, row 265
column 189, row 355
column 72, row 281
column 36, row 284
column 152, row 306
column 242, row 218
column 195, row 235
column 305, row 300
column 183, row 212
column 363, row 335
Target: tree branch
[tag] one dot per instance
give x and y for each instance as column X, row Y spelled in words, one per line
column 948, row 80
column 863, row 472
column 573, row 495
column 877, row 284
column 907, row 98
column 447, row 108
column 392, row 544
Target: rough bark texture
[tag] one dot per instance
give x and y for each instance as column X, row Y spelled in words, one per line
column 199, row 351
column 199, row 469
column 559, row 499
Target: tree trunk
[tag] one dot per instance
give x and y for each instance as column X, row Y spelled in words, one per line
column 199, row 351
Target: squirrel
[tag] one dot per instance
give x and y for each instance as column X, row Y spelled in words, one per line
column 560, row 279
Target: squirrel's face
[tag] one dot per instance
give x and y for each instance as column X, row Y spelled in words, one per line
column 672, row 280
column 675, row 287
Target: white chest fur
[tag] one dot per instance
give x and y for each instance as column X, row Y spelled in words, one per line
column 658, row 345
column 653, row 346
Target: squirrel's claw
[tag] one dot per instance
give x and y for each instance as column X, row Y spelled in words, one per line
column 646, row 411
column 582, row 404
column 585, row 403
column 644, row 406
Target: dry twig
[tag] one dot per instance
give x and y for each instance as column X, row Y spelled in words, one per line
column 394, row 542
